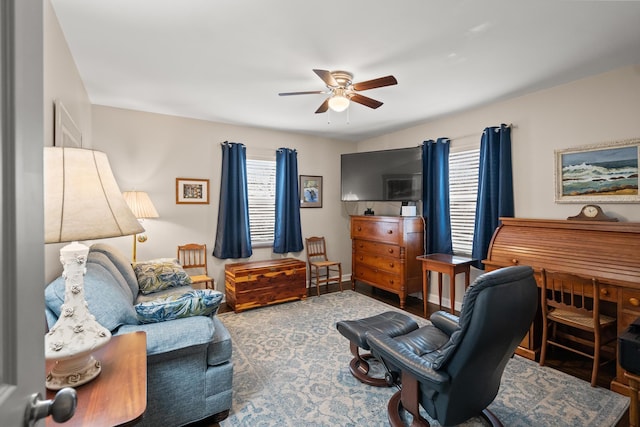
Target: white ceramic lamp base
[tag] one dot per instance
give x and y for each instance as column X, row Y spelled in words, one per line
column 76, row 334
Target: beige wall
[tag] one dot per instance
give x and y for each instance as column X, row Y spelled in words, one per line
column 149, row 151
column 590, row 111
column 61, row 81
column 593, row 110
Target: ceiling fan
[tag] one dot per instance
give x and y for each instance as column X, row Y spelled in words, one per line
column 342, row 90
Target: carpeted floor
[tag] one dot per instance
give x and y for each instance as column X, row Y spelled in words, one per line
column 291, row 368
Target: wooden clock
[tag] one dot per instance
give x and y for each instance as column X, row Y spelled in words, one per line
column 592, row 213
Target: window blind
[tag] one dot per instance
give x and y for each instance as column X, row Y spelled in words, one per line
column 463, row 190
column 261, row 187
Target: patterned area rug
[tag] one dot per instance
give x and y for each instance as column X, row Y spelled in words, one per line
column 291, row 368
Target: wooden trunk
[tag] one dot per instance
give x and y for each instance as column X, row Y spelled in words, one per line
column 259, row 283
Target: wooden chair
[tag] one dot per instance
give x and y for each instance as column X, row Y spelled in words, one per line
column 193, row 258
column 573, row 302
column 321, row 270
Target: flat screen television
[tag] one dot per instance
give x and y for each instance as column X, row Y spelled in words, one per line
column 387, row 175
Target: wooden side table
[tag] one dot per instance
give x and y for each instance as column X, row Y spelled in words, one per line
column 118, row 396
column 444, row 264
column 634, row 382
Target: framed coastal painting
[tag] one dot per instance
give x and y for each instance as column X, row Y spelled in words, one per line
column 310, row 191
column 192, row 191
column 606, row 173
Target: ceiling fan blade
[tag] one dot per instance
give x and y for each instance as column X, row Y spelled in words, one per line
column 324, row 107
column 301, row 93
column 327, row 77
column 366, row 101
column 372, row 84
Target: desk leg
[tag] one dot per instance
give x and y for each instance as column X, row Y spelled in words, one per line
column 440, row 290
column 452, row 286
column 633, row 404
column 425, row 290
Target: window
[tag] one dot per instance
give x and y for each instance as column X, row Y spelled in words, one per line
column 261, row 185
column 463, row 190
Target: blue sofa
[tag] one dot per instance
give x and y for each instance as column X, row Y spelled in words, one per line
column 189, row 367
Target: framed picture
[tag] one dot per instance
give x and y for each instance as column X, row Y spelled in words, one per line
column 65, row 131
column 310, row 191
column 192, row 191
column 598, row 173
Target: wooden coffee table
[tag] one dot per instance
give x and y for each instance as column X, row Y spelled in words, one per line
column 118, row 396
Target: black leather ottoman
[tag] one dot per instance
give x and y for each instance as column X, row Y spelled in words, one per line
column 390, row 323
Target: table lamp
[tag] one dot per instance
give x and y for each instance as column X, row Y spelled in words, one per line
column 82, row 201
column 142, row 207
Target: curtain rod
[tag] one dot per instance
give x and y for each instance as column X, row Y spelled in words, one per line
column 510, row 125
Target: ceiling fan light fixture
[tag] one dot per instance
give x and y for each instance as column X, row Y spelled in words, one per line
column 338, row 102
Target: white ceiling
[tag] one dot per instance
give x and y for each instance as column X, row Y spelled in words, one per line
column 227, row 60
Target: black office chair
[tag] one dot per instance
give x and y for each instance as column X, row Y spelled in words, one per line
column 453, row 367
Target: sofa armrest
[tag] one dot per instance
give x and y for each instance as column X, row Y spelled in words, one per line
column 175, row 334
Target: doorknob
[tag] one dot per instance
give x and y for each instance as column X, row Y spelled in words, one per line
column 61, row 408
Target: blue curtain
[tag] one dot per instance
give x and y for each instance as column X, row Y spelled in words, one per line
column 435, row 195
column 287, row 233
column 495, row 188
column 233, row 237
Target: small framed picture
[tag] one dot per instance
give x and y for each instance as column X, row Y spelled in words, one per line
column 310, row 191
column 192, row 191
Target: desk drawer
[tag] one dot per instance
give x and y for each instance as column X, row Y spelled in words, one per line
column 380, row 231
column 364, row 246
column 631, row 300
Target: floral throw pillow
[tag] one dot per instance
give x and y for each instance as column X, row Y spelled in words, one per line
column 159, row 274
column 198, row 302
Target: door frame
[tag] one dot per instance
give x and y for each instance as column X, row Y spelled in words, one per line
column 22, row 322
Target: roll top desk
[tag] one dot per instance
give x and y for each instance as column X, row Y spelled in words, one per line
column 609, row 251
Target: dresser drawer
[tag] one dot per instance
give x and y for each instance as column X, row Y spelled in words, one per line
column 631, row 300
column 365, row 246
column 392, row 265
column 380, row 231
column 382, row 279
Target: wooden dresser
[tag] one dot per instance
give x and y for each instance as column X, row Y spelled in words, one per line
column 384, row 251
column 609, row 251
column 258, row 283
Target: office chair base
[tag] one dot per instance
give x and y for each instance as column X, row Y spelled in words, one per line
column 360, row 370
column 395, row 420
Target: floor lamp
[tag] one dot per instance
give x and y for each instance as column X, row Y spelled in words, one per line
column 142, row 207
column 82, row 201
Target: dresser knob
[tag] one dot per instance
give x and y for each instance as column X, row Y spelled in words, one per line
column 389, row 231
column 604, row 291
column 390, row 251
column 361, row 258
column 515, row 261
column 634, row 302
column 391, row 282
column 359, row 228
column 391, row 264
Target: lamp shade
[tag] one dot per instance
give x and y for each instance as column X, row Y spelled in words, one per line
column 140, row 204
column 82, row 199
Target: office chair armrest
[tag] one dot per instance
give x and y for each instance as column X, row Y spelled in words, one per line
column 446, row 322
column 401, row 357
